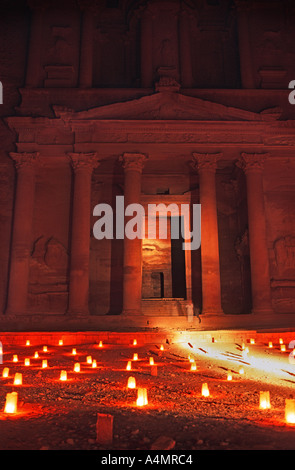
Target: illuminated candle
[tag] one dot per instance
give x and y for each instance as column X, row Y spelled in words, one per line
column 281, row 341
column 45, row 349
column 241, row 370
column 270, row 345
column 135, row 357
column 142, row 397
column 252, row 341
column 283, row 347
column 27, row 361
column 15, row 358
column 131, row 382
column 89, row 360
column 229, row 376
column 162, row 347
column 205, row 390
column 128, row 367
column 74, row 351
column 94, row 364
column 193, row 366
column 36, row 355
column 134, row 342
column 243, row 346
column 191, row 359
column 152, row 362
column 77, row 367
column 11, row 403
column 28, row 342
column 18, row 379
column 63, row 375
column 264, row 400
column 290, row 410
column 44, row 364
column 5, row 372
column 60, row 343
column 100, row 344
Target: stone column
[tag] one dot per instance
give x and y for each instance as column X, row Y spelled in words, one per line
column 33, row 75
column 132, row 272
column 186, row 72
column 211, row 291
column 146, row 49
column 245, row 49
column 86, row 51
column 21, row 246
column 83, row 165
column 253, row 164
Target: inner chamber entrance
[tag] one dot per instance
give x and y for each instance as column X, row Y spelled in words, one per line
column 163, row 265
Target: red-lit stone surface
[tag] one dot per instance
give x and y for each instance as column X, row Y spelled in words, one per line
column 62, row 415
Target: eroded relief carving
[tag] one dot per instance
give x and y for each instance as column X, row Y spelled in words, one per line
column 284, row 249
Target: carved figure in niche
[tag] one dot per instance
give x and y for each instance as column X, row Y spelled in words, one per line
column 284, row 249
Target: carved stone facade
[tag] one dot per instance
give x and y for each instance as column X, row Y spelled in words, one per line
column 160, row 101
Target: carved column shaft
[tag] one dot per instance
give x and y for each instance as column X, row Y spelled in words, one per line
column 211, row 291
column 132, row 273
column 21, row 232
column 83, row 165
column 252, row 164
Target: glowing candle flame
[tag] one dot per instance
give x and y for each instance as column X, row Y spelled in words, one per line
column 281, row 341
column 131, row 382
column 74, row 351
column 283, row 347
column 15, row 358
column 134, row 342
column 229, row 376
column 89, row 360
column 161, row 347
column 128, row 367
column 252, row 341
column 77, row 367
column 63, row 375
column 18, row 379
column 290, row 410
column 36, row 355
column 11, row 403
column 44, row 364
column 193, row 366
column 152, row 362
column 135, row 357
column 28, row 342
column 100, row 344
column 270, row 345
column 205, row 390
column 60, row 343
column 5, row 372
column 45, row 349
column 94, row 364
column 142, row 397
column 264, row 400
column 27, row 361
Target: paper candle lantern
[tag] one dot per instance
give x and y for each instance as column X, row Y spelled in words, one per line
column 270, row 345
column 151, row 360
column 74, row 351
column 193, row 366
column 229, row 376
column 18, row 379
column 264, row 400
column 135, row 357
column 63, row 375
column 36, row 355
column 28, row 342
column 89, row 360
column 281, row 341
column 161, row 347
column 45, row 349
column 77, row 367
column 283, row 348
column 27, row 361
column 94, row 364
column 5, row 372
column 134, row 342
column 100, row 344
column 60, row 343
column 44, row 364
column 131, row 382
column 205, row 390
column 128, row 367
column 241, row 370
column 142, row 397
column 15, row 358
column 290, row 410
column 11, row 403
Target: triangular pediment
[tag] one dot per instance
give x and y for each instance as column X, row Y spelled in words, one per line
column 166, row 106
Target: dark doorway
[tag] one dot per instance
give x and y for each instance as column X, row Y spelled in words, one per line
column 158, row 284
column 178, row 266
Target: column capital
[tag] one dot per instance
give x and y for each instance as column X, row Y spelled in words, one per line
column 133, row 161
column 206, row 161
column 252, row 162
column 84, row 161
column 25, row 160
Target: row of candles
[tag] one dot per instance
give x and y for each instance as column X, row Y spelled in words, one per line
column 142, row 399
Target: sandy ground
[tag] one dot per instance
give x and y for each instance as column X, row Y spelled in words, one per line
column 55, row 415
